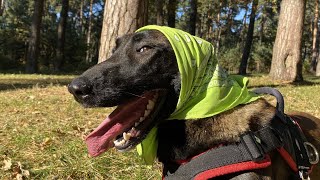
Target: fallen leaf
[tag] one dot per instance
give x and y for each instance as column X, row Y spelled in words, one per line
column 19, row 177
column 19, row 172
column 7, row 164
column 31, row 97
column 46, row 141
column 36, row 112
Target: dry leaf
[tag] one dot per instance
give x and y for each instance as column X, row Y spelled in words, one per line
column 19, row 172
column 19, row 177
column 46, row 141
column 7, row 164
column 36, row 112
column 31, row 97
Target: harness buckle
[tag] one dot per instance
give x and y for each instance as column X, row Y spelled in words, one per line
column 304, row 175
column 312, row 153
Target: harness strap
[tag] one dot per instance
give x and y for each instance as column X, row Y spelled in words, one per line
column 298, row 145
column 300, row 149
column 248, row 154
column 252, row 150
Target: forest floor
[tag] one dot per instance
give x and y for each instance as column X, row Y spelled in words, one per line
column 42, row 129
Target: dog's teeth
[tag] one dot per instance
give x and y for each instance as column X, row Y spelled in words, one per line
column 126, row 136
column 119, row 143
column 122, row 141
column 142, row 118
column 146, row 113
column 150, row 105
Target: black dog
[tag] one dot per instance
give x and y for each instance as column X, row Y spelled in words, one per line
column 143, row 80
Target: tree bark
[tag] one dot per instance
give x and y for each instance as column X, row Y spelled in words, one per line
column 244, row 26
column 81, row 17
column 1, row 7
column 249, row 39
column 217, row 43
column 315, row 38
column 120, row 17
column 61, row 36
column 229, row 18
column 34, row 39
column 88, row 52
column 286, row 59
column 172, row 7
column 262, row 24
column 193, row 17
column 160, row 18
column 318, row 68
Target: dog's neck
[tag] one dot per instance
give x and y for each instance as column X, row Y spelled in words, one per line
column 182, row 139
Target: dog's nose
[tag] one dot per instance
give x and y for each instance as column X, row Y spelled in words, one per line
column 80, row 88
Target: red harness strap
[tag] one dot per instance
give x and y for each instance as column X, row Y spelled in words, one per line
column 234, row 168
column 284, row 134
column 250, row 153
column 288, row 158
column 228, row 169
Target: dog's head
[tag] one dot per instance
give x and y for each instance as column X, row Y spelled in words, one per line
column 141, row 78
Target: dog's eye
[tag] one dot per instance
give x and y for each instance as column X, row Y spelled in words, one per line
column 143, row 49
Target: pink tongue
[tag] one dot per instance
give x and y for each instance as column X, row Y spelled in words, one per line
column 122, row 118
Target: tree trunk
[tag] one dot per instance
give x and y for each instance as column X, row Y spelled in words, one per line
column 160, row 18
column 81, row 17
column 1, row 7
column 193, row 17
column 172, row 7
column 199, row 28
column 244, row 26
column 218, row 29
column 34, row 39
column 61, row 36
column 262, row 24
column 286, row 59
column 88, row 52
column 120, row 17
column 315, row 39
column 318, row 68
column 229, row 18
column 247, row 46
column 208, row 24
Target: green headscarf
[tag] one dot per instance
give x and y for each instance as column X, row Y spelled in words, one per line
column 206, row 89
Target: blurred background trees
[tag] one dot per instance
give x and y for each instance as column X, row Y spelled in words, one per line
column 69, row 30
column 245, row 33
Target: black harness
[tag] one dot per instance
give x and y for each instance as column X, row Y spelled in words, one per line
column 251, row 152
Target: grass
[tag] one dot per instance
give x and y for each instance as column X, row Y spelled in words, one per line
column 42, row 130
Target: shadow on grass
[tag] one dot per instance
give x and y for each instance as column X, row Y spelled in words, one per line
column 303, row 83
column 21, row 83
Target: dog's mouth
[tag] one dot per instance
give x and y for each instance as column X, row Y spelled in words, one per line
column 128, row 124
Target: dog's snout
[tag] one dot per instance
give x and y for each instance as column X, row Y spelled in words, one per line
column 80, row 87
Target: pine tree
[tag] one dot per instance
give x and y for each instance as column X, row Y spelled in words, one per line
column 286, row 60
column 34, row 39
column 120, row 17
